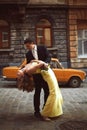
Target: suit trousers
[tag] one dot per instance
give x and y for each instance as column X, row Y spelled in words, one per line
column 39, row 84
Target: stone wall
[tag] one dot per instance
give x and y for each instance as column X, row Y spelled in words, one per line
column 19, row 30
column 58, row 19
column 74, row 16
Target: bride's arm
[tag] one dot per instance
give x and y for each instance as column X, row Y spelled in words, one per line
column 40, row 63
column 32, row 67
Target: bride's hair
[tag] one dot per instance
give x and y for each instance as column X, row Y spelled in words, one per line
column 25, row 83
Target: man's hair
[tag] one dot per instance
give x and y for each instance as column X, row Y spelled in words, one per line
column 28, row 40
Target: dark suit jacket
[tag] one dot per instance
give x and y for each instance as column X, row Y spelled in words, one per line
column 42, row 54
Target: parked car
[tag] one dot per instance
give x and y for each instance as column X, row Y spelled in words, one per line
column 71, row 77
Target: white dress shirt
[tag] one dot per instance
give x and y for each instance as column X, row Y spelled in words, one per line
column 34, row 52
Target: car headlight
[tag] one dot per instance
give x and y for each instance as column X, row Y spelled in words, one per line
column 4, row 77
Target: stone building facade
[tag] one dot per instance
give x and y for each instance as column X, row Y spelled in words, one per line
column 65, row 19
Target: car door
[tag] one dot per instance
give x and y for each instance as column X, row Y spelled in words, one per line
column 59, row 74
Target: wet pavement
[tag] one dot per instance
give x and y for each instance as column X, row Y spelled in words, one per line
column 16, row 109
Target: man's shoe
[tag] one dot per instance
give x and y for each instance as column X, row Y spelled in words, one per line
column 37, row 115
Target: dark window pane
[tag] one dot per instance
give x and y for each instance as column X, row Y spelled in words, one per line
column 80, row 34
column 85, row 47
column 86, row 34
column 80, row 47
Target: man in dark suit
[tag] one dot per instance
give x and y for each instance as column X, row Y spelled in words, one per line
column 38, row 52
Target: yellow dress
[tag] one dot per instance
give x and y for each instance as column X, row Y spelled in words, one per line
column 53, row 106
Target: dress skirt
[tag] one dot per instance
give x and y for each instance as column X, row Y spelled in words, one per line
column 53, row 106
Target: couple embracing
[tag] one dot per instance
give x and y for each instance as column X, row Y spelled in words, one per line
column 37, row 65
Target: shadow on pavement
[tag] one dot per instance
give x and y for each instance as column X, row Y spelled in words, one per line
column 74, row 125
column 17, row 119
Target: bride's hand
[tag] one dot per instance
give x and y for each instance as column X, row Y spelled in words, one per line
column 34, row 61
column 43, row 63
column 20, row 74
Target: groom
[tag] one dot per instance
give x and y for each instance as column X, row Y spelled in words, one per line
column 38, row 52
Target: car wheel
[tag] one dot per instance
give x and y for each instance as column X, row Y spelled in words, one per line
column 75, row 82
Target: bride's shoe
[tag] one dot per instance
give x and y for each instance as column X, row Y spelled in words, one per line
column 46, row 118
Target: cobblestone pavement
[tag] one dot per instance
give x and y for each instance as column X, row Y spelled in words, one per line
column 16, row 108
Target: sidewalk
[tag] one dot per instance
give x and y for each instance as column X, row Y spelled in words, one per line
column 16, row 109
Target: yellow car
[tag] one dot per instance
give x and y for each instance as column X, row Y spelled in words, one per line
column 71, row 77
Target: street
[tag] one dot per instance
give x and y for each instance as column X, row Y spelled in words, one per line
column 16, row 109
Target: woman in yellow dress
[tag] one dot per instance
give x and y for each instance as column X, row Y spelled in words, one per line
column 53, row 106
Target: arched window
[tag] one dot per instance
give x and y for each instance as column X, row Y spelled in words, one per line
column 4, row 34
column 43, row 32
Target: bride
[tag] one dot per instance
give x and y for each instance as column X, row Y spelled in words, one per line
column 53, row 106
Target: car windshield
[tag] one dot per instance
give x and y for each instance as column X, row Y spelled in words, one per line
column 55, row 64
